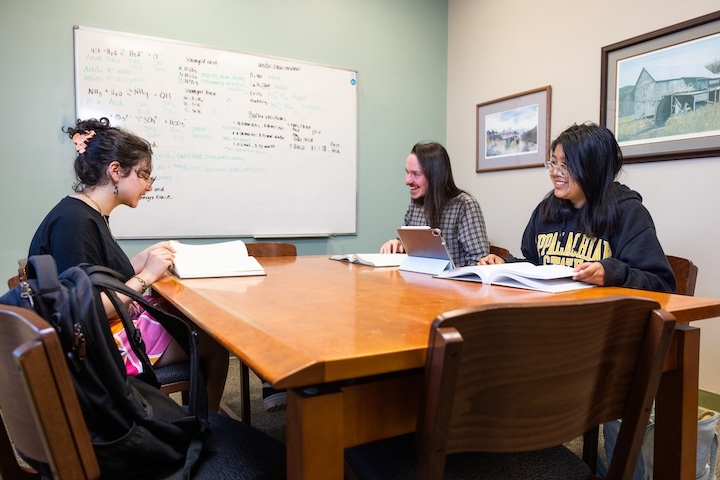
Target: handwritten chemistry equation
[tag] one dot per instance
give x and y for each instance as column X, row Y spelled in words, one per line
column 242, row 144
column 249, row 103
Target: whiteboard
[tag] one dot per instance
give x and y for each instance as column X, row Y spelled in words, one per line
column 244, row 145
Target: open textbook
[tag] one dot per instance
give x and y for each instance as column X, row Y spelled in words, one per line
column 373, row 259
column 223, row 259
column 545, row 278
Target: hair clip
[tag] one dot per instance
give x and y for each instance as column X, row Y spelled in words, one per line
column 81, row 139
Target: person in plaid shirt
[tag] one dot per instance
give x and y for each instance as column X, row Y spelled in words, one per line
column 436, row 201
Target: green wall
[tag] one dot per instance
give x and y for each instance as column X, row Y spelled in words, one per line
column 398, row 47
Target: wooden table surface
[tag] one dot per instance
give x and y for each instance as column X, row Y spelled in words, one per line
column 313, row 321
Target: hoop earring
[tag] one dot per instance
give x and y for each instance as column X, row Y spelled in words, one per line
column 115, row 192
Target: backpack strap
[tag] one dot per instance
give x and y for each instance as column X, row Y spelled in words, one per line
column 109, row 282
column 97, row 274
column 42, row 282
column 44, row 269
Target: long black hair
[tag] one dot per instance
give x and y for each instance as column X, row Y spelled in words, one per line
column 104, row 145
column 593, row 159
column 435, row 163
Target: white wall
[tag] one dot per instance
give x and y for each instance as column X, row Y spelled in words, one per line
column 504, row 47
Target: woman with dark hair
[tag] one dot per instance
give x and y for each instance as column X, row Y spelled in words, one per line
column 590, row 221
column 113, row 167
column 437, row 202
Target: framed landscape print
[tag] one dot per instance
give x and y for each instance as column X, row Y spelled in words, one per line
column 513, row 131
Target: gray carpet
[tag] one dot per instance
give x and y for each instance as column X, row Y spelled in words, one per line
column 271, row 423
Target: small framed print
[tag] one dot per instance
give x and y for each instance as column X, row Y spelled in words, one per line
column 514, row 131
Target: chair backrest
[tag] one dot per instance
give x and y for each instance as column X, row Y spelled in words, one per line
column 500, row 251
column 40, row 409
column 22, row 274
column 271, row 249
column 685, row 274
column 522, row 377
column 13, row 282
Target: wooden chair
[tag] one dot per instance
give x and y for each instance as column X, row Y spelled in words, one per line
column 685, row 274
column 259, row 249
column 271, row 249
column 500, row 251
column 40, row 409
column 22, row 274
column 516, row 381
column 43, row 418
column 13, row 282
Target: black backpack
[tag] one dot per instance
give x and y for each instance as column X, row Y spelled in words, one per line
column 137, row 431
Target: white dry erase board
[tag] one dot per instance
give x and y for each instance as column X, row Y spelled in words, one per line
column 244, row 145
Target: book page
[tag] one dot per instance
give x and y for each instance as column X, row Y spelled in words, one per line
column 546, row 278
column 553, row 285
column 486, row 273
column 373, row 259
column 350, row 257
column 528, row 270
column 223, row 259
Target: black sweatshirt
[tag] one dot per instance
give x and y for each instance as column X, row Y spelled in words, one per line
column 632, row 256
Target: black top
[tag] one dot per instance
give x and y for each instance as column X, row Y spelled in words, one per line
column 74, row 233
column 632, row 257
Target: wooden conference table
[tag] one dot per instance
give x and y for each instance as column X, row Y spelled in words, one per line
column 349, row 342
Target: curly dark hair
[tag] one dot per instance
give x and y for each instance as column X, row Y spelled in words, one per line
column 107, row 145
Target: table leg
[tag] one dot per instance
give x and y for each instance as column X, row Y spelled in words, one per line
column 676, row 409
column 315, row 433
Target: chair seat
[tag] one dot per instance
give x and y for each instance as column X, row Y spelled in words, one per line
column 238, row 451
column 176, row 372
column 395, row 458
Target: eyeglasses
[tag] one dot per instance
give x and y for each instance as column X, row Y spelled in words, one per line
column 144, row 175
column 561, row 168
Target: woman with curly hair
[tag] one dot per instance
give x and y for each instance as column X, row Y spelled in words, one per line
column 113, row 167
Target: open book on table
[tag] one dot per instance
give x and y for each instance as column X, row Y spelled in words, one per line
column 372, row 259
column 545, row 278
column 223, row 259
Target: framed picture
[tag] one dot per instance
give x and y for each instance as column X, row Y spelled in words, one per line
column 514, row 131
column 660, row 92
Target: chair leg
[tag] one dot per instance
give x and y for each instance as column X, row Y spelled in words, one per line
column 590, row 448
column 228, row 412
column 245, row 392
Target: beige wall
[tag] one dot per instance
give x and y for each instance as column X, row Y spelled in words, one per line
column 503, row 47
